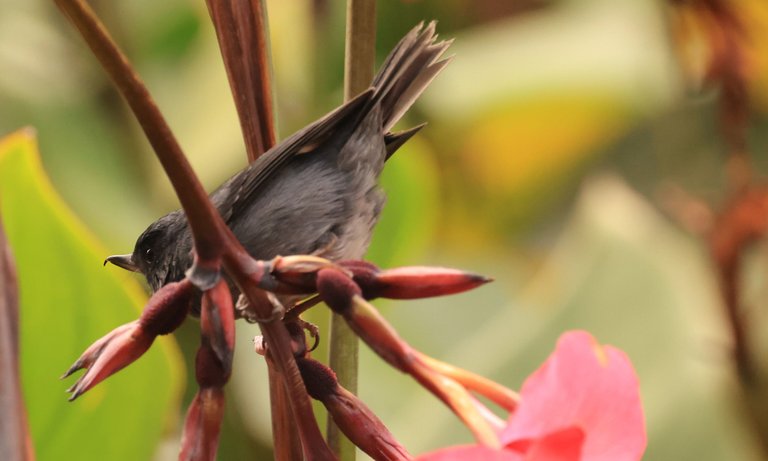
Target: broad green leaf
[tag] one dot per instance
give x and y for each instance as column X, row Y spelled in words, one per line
column 67, row 301
column 409, row 216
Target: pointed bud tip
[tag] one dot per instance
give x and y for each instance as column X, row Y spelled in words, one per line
column 421, row 282
column 75, row 366
column 119, row 348
column 75, row 393
column 481, row 279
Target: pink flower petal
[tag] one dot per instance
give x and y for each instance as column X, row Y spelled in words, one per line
column 565, row 445
column 472, row 453
column 582, row 385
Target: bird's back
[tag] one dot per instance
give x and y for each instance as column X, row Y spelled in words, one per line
column 324, row 199
column 315, row 192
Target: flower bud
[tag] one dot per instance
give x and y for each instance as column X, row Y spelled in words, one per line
column 350, row 414
column 164, row 312
column 202, row 426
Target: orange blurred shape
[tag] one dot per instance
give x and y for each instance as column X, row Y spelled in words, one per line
column 699, row 35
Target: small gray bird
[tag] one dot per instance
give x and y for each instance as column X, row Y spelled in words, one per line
column 317, row 191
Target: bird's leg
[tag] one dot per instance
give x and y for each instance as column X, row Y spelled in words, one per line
column 312, row 329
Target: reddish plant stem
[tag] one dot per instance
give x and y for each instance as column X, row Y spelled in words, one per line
column 741, row 224
column 15, row 438
column 743, row 220
column 500, row 395
column 241, row 29
column 213, row 240
column 203, row 218
column 286, row 447
column 736, row 228
column 275, row 333
column 728, row 269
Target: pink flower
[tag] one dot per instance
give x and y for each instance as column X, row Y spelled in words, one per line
column 583, row 404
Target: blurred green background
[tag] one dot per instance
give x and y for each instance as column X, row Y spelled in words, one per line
column 550, row 137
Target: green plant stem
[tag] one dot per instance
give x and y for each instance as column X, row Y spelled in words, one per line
column 360, row 53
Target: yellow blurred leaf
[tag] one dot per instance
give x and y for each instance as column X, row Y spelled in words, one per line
column 539, row 139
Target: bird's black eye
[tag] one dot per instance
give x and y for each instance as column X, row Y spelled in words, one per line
column 148, row 255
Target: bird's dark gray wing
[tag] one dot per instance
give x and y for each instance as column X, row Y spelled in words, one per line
column 237, row 192
column 406, row 72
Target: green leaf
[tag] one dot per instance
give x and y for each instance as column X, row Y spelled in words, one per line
column 67, row 301
column 410, row 214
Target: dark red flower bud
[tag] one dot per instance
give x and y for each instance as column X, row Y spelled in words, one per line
column 217, row 325
column 108, row 355
column 337, row 289
column 414, row 282
column 164, row 312
column 209, row 370
column 342, row 295
column 213, row 365
column 296, row 274
column 202, row 426
column 350, row 414
column 167, row 308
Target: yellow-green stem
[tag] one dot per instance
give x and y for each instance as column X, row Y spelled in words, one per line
column 359, row 59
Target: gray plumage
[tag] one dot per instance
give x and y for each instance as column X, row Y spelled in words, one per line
column 317, row 191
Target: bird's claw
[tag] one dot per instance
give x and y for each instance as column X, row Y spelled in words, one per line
column 244, row 310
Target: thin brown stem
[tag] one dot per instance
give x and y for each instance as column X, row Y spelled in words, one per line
column 241, row 28
column 203, row 218
column 739, row 225
column 213, row 240
column 277, row 337
column 286, row 447
column 743, row 220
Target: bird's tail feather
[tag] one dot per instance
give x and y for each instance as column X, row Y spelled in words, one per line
column 407, row 71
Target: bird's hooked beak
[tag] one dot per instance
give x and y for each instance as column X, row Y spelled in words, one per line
column 124, row 261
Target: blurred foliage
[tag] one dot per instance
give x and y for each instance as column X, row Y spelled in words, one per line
column 508, row 179
column 67, row 301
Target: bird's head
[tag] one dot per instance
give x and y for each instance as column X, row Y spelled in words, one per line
column 161, row 252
